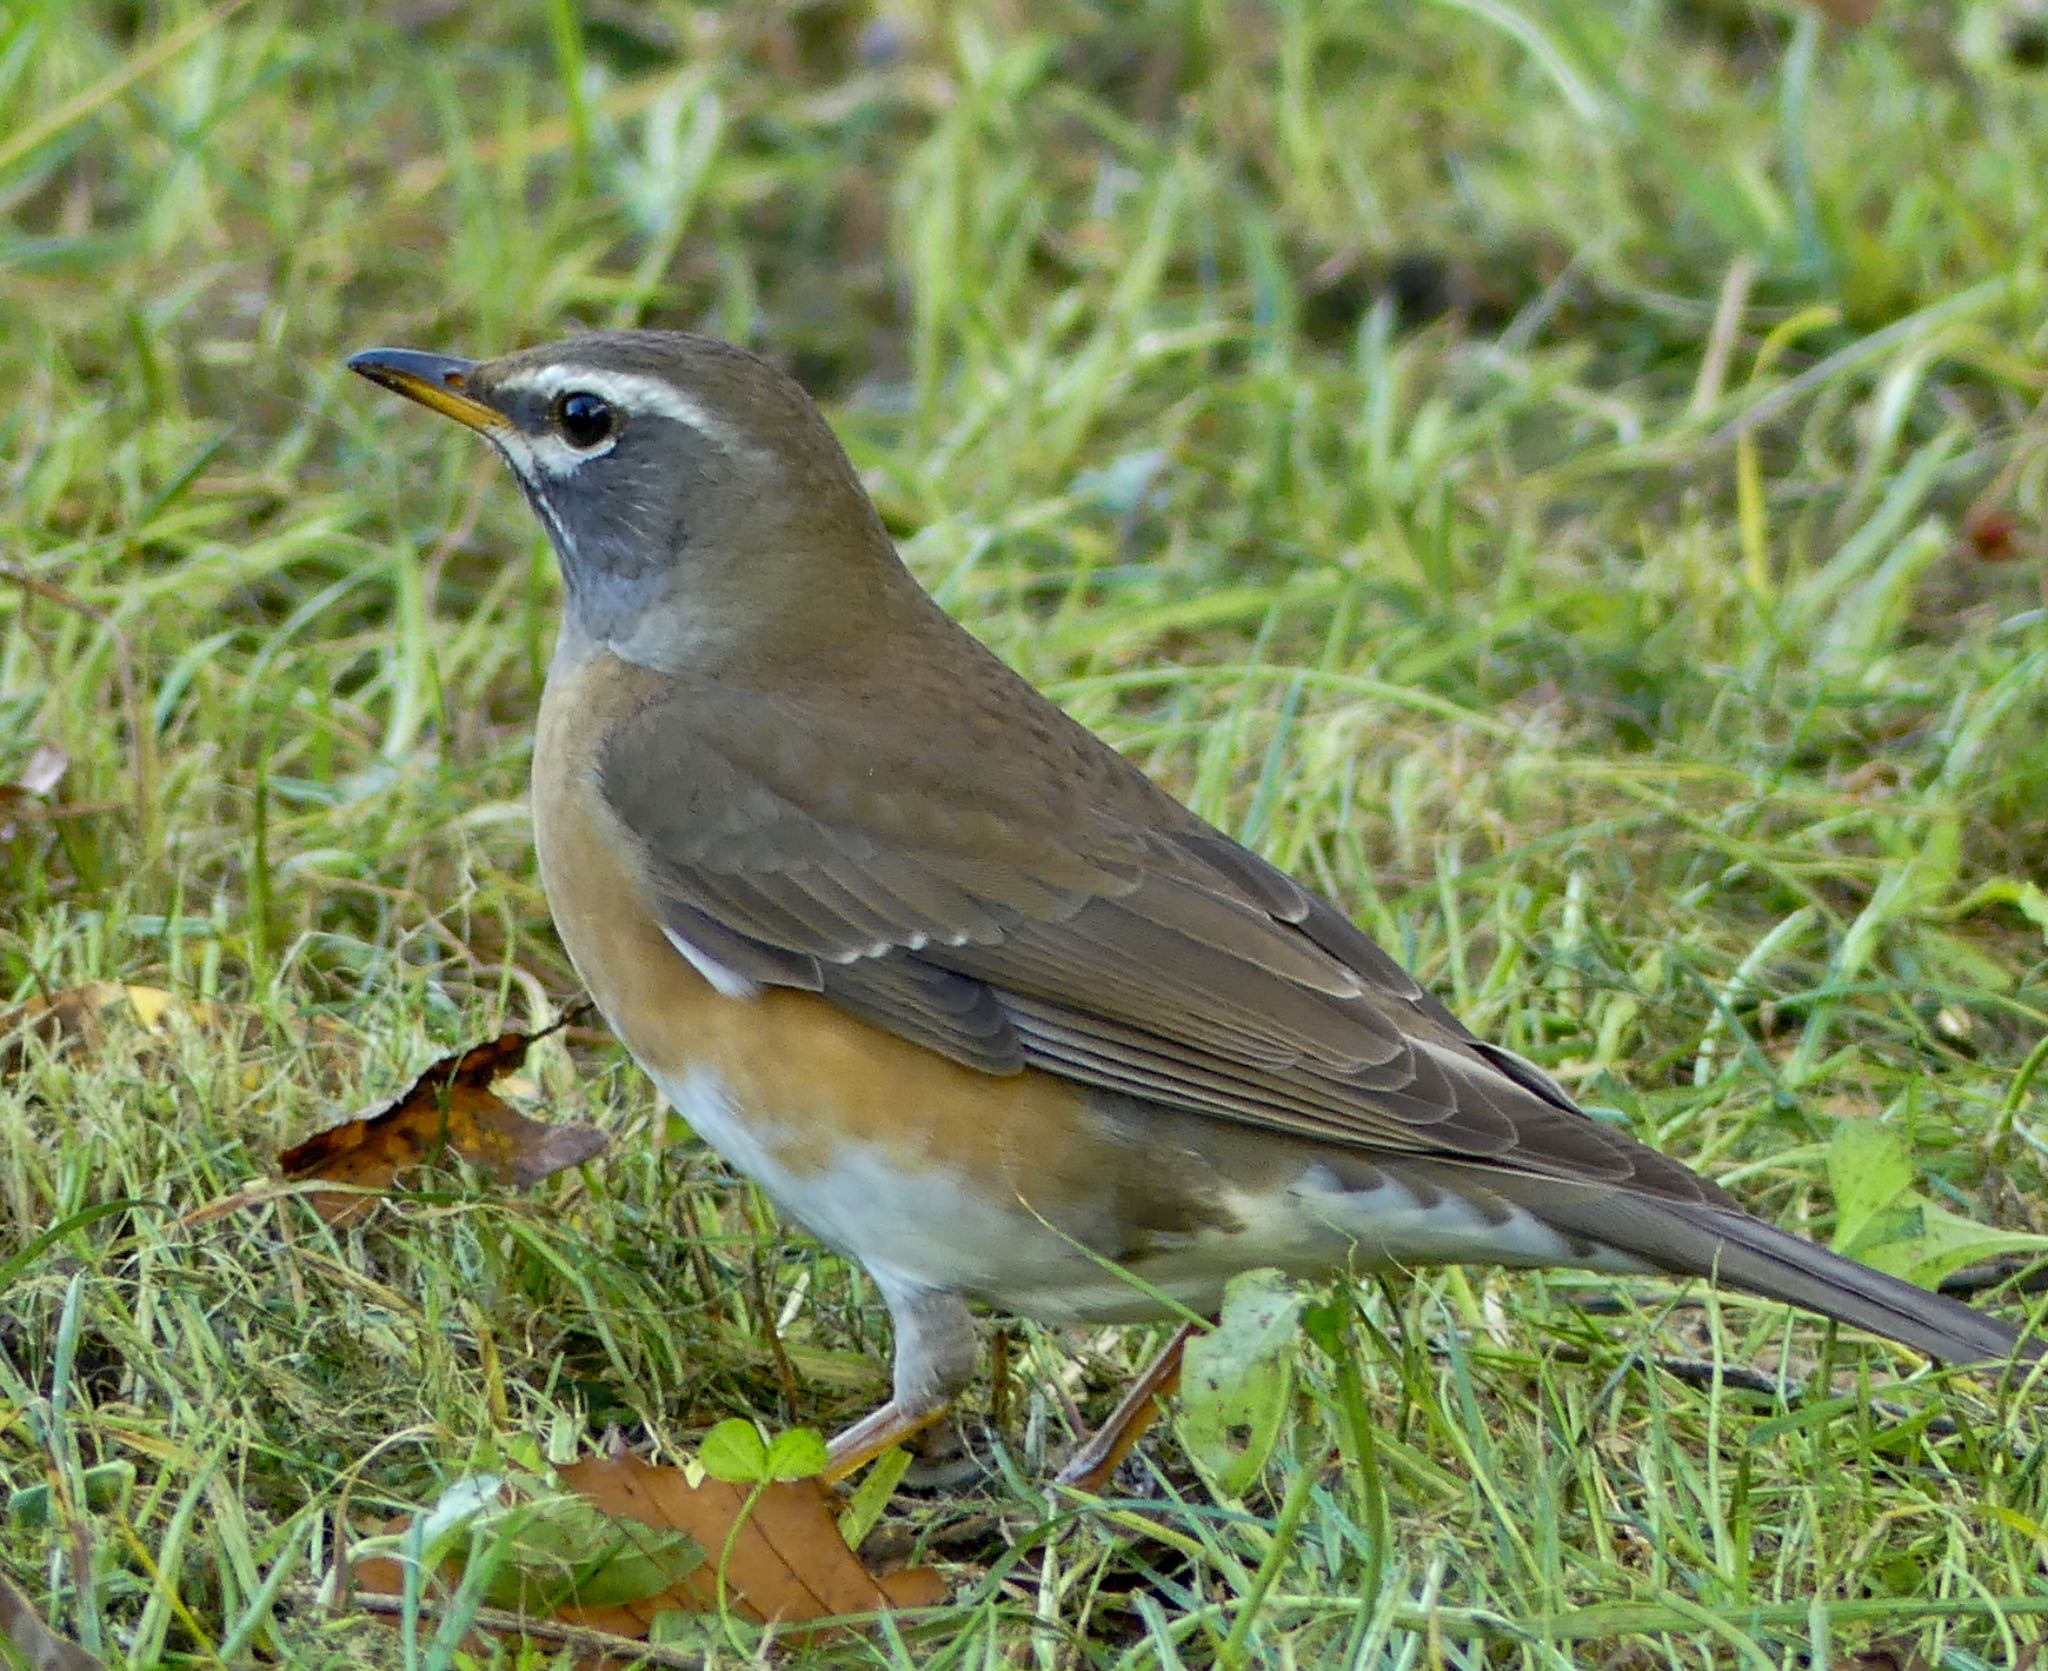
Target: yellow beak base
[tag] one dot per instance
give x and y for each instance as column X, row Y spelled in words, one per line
column 438, row 381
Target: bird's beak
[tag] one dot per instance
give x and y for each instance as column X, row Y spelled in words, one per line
column 436, row 380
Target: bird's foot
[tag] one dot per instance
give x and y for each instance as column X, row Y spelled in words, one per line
column 1103, row 1452
column 854, row 1448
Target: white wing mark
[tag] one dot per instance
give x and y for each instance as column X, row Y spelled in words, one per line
column 727, row 983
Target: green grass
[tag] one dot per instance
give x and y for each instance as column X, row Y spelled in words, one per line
column 1505, row 460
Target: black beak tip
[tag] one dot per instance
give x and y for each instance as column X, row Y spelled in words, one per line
column 389, row 365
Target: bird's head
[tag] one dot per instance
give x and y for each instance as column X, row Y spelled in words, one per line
column 702, row 509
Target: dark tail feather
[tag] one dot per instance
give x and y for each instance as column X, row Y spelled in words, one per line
column 1747, row 1253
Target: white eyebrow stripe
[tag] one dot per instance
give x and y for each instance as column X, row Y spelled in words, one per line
column 630, row 392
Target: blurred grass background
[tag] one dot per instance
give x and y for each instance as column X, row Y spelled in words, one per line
column 1561, row 476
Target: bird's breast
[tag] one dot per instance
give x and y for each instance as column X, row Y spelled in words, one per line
column 787, row 1086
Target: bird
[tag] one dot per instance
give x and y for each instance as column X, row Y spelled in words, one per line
column 969, row 996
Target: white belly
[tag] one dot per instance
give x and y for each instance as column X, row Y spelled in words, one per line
column 930, row 1227
column 934, row 1228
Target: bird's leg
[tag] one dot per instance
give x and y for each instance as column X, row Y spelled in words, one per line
column 935, row 1352
column 1089, row 1468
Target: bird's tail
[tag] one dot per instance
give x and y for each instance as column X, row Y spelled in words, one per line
column 1688, row 1239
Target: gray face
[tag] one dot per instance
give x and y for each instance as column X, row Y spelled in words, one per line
column 706, row 519
column 640, row 485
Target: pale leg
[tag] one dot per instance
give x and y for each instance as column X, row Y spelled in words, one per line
column 935, row 1356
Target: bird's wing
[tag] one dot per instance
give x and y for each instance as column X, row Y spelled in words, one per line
column 1065, row 914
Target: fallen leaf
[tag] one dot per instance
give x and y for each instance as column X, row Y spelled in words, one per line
column 1881, row 1219
column 38, row 1646
column 616, row 1542
column 79, row 1015
column 44, row 770
column 1238, row 1379
column 90, row 1015
column 788, row 1562
column 450, row 1106
column 547, row 1547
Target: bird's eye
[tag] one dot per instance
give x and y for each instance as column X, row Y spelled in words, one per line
column 584, row 419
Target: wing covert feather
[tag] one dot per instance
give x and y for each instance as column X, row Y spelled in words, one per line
column 1070, row 917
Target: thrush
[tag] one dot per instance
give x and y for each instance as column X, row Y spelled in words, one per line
column 960, row 988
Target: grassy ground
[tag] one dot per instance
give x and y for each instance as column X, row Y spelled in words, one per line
column 1536, row 469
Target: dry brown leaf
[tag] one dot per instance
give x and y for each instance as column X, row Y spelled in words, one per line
column 449, row 1106
column 44, row 770
column 787, row 1561
column 79, row 1015
column 40, row 1648
column 89, row 1015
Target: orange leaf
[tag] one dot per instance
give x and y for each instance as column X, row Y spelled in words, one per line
column 449, row 1106
column 787, row 1561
